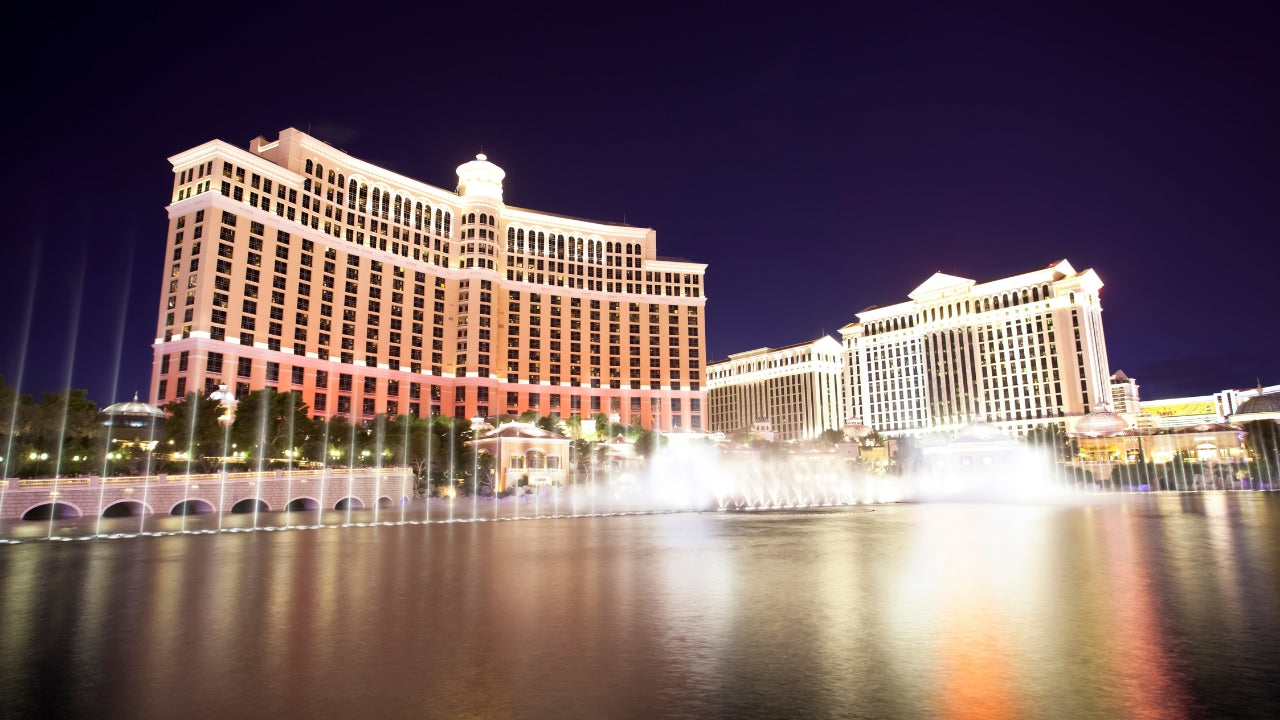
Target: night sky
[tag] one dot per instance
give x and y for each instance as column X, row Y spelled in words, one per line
column 819, row 163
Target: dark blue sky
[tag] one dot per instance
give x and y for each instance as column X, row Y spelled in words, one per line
column 819, row 162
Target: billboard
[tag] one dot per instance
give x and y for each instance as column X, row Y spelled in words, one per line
column 1181, row 408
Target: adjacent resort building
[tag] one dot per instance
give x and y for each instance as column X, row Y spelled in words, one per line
column 1017, row 352
column 795, row 389
column 296, row 266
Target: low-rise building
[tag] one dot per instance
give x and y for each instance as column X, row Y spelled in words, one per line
column 794, row 389
column 524, row 453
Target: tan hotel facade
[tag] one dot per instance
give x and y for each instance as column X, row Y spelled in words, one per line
column 795, row 388
column 1019, row 352
column 296, row 266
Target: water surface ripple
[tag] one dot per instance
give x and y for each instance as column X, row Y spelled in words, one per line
column 1138, row 607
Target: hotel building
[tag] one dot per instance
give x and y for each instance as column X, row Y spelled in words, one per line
column 1185, row 412
column 795, row 388
column 296, row 266
column 1017, row 352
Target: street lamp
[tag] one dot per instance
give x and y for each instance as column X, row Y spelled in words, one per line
column 38, row 458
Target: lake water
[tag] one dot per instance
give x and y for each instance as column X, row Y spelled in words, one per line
column 1132, row 607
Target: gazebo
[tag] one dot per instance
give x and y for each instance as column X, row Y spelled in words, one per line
column 135, row 422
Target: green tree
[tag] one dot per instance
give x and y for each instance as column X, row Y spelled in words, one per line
column 649, row 443
column 8, row 403
column 193, row 429
column 336, row 442
column 1053, row 438
column 602, row 426
column 767, row 448
column 573, row 424
column 67, row 422
column 268, row 423
column 831, row 437
column 581, row 453
column 908, row 456
column 550, row 423
column 410, row 441
column 1263, row 441
column 451, row 458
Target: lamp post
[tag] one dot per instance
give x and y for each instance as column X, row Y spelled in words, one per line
column 227, row 400
column 38, row 458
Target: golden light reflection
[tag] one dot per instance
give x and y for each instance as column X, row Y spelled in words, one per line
column 1147, row 685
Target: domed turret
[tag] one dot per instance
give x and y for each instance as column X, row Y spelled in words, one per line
column 134, row 421
column 133, row 413
column 480, row 178
column 1100, row 423
column 855, row 430
column 1260, row 407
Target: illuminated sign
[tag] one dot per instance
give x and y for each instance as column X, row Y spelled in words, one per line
column 1182, row 409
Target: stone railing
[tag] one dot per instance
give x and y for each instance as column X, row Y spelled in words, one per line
column 164, row 478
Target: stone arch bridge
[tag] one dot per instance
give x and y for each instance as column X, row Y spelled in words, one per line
column 93, row 496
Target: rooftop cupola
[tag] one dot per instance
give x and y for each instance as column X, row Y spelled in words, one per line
column 480, row 179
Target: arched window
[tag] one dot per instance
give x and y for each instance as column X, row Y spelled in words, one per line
column 1025, row 296
column 542, row 244
column 417, row 216
column 310, row 166
column 319, row 170
column 1005, row 303
column 377, row 197
column 351, row 194
column 386, row 198
column 341, row 181
column 484, row 219
column 560, row 247
column 331, row 177
column 1044, row 292
column 511, row 239
column 609, row 247
column 1035, row 294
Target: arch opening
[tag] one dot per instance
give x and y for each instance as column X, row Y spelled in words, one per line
column 192, row 507
column 52, row 510
column 302, row 503
column 248, row 505
column 349, row 503
column 125, row 508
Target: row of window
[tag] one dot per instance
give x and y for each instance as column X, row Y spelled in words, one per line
column 1023, row 296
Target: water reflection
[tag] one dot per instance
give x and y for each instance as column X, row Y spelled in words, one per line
column 1133, row 607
